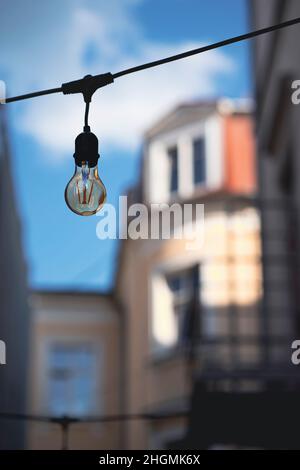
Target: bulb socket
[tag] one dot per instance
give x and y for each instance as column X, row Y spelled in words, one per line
column 86, row 149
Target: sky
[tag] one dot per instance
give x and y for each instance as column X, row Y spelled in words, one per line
column 44, row 44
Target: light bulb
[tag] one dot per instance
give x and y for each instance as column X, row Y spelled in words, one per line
column 85, row 193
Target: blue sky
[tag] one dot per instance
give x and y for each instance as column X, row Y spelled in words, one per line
column 47, row 43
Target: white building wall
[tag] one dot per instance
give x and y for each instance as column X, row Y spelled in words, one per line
column 157, row 167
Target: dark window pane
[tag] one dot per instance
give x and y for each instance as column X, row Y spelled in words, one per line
column 184, row 286
column 174, row 283
column 173, row 156
column 199, row 161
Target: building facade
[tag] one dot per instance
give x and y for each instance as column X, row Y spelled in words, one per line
column 191, row 309
column 75, row 368
column 14, row 310
column 267, row 418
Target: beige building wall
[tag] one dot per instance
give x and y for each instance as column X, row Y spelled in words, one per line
column 75, row 320
column 158, row 378
column 200, row 153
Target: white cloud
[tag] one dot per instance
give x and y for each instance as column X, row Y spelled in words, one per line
column 121, row 112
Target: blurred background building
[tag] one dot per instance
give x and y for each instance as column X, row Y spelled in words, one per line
column 192, row 312
column 14, row 311
column 74, row 367
column 277, row 120
column 246, row 419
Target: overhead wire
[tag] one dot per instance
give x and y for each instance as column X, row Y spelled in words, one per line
column 90, row 83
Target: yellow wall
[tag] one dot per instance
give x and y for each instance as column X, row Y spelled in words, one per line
column 84, row 318
column 231, row 274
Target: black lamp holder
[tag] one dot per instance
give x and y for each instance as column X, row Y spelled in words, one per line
column 87, row 85
column 86, row 143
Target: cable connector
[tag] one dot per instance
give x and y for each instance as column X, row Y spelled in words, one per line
column 87, row 85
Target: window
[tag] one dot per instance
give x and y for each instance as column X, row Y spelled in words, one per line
column 199, row 166
column 184, row 286
column 173, row 159
column 71, row 380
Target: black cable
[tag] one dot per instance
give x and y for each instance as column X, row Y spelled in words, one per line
column 25, row 417
column 67, row 420
column 210, row 47
column 91, row 83
column 33, row 95
column 132, row 417
column 86, row 117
